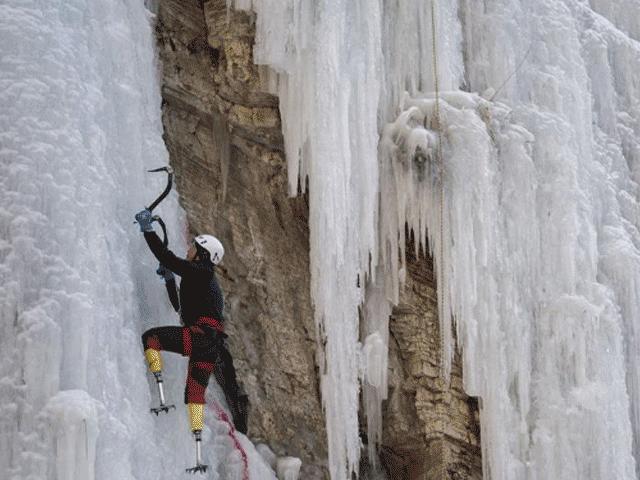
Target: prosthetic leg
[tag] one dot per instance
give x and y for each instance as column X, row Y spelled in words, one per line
column 196, row 419
column 155, row 365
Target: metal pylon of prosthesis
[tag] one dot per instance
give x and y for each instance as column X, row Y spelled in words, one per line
column 163, row 404
column 200, row 467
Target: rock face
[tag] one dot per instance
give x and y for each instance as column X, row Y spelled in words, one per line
column 431, row 426
column 225, row 142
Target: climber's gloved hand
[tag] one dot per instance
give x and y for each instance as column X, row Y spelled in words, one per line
column 165, row 273
column 145, row 219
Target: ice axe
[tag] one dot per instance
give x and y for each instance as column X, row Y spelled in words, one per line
column 160, row 198
column 167, row 189
column 170, row 283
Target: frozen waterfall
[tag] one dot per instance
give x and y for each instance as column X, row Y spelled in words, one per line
column 79, row 125
column 540, row 247
column 540, row 218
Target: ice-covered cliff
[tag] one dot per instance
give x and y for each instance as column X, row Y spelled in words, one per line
column 536, row 242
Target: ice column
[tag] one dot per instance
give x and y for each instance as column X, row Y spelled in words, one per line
column 376, row 312
column 325, row 67
column 73, row 416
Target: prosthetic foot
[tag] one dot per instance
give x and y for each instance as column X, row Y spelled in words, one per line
column 196, row 418
column 200, row 467
column 155, row 365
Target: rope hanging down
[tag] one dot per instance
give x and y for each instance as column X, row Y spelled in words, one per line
column 441, row 278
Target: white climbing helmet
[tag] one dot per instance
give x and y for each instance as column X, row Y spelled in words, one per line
column 212, row 245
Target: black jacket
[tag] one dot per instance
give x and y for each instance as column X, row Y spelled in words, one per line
column 200, row 294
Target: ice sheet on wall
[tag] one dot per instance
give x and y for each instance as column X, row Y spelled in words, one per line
column 79, row 125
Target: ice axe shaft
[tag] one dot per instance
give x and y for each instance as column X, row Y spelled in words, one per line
column 165, row 239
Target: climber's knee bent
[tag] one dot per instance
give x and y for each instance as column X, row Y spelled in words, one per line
column 151, row 339
column 169, row 339
column 152, row 346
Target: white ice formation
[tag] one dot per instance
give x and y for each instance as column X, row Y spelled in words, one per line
column 288, row 468
column 79, row 125
column 267, row 454
column 539, row 245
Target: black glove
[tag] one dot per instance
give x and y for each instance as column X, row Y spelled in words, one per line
column 165, row 273
column 145, row 220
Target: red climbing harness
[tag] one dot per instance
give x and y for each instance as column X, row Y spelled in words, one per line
column 211, row 322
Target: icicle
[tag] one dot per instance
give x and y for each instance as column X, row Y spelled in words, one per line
column 377, row 310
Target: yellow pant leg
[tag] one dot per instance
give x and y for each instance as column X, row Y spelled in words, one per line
column 196, row 416
column 153, row 359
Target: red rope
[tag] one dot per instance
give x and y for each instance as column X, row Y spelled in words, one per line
column 222, row 415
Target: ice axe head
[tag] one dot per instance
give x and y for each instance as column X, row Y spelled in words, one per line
column 167, row 169
column 167, row 189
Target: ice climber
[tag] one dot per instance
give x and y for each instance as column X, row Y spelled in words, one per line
column 201, row 336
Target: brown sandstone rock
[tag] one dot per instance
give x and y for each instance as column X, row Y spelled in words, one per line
column 225, row 145
column 431, row 429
